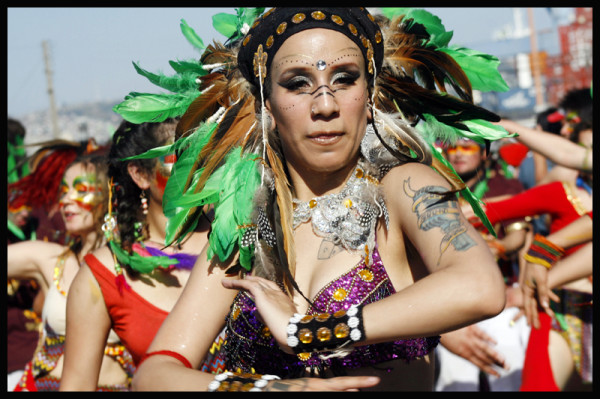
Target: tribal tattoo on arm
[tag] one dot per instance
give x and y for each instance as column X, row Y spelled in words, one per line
column 435, row 207
column 299, row 384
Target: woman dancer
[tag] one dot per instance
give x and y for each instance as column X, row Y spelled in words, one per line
column 287, row 146
column 82, row 203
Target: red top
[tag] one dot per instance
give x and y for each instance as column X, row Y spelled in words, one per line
column 556, row 199
column 135, row 320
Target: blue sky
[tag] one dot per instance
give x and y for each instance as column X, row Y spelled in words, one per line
column 92, row 49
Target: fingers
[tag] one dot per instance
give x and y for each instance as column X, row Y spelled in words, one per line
column 486, row 356
column 482, row 335
column 249, row 283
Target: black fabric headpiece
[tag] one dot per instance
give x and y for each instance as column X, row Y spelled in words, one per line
column 270, row 30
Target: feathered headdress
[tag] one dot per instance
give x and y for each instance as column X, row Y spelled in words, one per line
column 47, row 165
column 224, row 152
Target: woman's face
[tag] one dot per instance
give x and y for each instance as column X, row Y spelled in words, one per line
column 80, row 197
column 319, row 99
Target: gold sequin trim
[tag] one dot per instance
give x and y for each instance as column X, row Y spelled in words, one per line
column 269, row 42
column 574, row 199
column 281, row 28
column 341, row 331
column 246, row 40
column 337, row 20
column 353, row 29
column 260, row 63
column 298, row 18
column 323, row 334
column 365, row 41
column 339, row 295
column 318, row 15
column 366, row 275
column 265, row 15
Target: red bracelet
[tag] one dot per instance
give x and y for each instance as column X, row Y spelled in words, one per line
column 176, row 355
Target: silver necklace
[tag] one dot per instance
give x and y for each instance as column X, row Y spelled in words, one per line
column 347, row 218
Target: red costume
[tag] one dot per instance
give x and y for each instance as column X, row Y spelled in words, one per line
column 559, row 200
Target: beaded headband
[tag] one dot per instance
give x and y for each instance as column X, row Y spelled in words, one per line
column 269, row 31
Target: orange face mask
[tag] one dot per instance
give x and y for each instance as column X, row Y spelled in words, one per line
column 465, row 148
column 87, row 193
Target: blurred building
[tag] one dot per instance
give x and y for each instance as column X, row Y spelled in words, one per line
column 564, row 56
column 572, row 68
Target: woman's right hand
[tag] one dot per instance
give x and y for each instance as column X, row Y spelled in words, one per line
column 322, row 384
column 273, row 305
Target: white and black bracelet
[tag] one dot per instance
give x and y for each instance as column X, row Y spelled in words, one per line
column 325, row 332
column 236, row 382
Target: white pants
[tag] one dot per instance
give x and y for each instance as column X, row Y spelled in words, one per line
column 13, row 379
column 459, row 374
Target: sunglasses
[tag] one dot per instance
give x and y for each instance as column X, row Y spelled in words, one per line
column 465, row 148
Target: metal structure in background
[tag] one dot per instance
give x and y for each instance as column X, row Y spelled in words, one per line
column 53, row 113
column 551, row 73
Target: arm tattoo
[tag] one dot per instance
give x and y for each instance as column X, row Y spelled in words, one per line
column 286, row 385
column 435, row 208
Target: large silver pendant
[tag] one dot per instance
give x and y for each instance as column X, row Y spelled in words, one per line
column 347, row 218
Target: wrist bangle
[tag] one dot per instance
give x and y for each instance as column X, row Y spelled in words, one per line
column 544, row 252
column 325, row 332
column 240, row 382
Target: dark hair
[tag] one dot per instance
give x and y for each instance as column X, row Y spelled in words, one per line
column 586, row 116
column 576, row 100
column 128, row 140
column 15, row 130
column 545, row 124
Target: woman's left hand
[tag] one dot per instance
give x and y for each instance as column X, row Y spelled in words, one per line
column 273, row 305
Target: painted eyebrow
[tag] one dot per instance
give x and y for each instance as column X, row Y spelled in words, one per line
column 310, row 61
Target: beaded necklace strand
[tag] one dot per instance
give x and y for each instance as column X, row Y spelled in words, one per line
column 58, row 270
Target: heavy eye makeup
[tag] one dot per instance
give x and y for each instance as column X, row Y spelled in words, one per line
column 303, row 81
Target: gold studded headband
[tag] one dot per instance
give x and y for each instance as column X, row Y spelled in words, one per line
column 269, row 31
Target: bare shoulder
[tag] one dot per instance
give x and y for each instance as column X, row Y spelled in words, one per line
column 403, row 184
column 417, row 173
column 104, row 256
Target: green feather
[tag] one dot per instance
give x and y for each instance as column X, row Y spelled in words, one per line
column 433, row 24
column 183, row 82
column 142, row 264
column 152, row 153
column 433, row 130
column 468, row 195
column 480, row 68
column 144, row 107
column 178, row 203
column 225, row 24
column 238, row 182
column 230, row 25
column 191, row 36
column 192, row 66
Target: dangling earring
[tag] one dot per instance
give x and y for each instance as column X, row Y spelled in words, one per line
column 142, row 227
column 144, row 203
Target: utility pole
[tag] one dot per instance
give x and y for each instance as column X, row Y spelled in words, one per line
column 53, row 115
column 535, row 60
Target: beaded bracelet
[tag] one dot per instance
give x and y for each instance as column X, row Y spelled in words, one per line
column 543, row 252
column 234, row 382
column 324, row 332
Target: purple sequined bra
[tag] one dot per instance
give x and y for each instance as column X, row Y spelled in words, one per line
column 251, row 348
